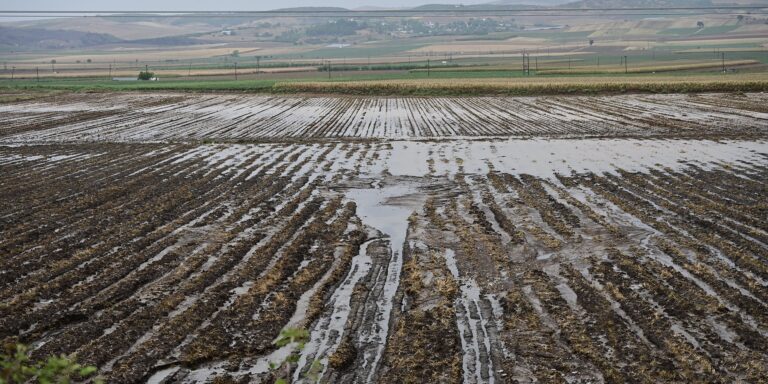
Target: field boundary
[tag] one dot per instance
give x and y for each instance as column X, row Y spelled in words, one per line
column 489, row 87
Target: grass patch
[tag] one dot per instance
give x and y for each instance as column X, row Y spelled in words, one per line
column 649, row 68
column 15, row 97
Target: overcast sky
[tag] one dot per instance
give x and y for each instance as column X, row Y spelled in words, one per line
column 205, row 5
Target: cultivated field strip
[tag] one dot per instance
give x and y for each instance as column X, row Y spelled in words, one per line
column 227, row 117
column 473, row 261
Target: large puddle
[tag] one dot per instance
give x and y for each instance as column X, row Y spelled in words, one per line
column 547, row 157
column 387, row 208
column 538, row 157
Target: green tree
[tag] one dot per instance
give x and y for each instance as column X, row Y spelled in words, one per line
column 146, row 75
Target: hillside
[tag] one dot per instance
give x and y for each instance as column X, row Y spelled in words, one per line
column 38, row 38
column 311, row 9
column 135, row 28
column 656, row 3
column 545, row 3
column 505, row 5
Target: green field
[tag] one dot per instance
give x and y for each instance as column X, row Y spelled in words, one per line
column 438, row 83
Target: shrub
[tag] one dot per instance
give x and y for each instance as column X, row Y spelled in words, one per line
column 17, row 367
column 297, row 337
column 146, row 75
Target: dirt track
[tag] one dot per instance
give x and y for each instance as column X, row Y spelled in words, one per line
column 637, row 258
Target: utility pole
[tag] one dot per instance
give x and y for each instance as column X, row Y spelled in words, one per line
column 189, row 71
column 13, row 71
column 598, row 62
column 235, row 70
column 427, row 67
column 723, row 58
column 526, row 63
column 329, row 69
column 569, row 63
column 369, row 62
column 528, row 60
column 37, row 71
column 536, row 62
column 523, row 62
column 625, row 66
column 258, row 65
column 110, row 72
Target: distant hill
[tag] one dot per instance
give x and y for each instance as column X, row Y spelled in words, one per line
column 638, row 3
column 486, row 6
column 530, row 2
column 516, row 4
column 311, row 9
column 38, row 38
column 134, row 27
column 374, row 8
column 27, row 39
column 661, row 3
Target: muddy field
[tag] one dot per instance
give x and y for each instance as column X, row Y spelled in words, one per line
column 636, row 254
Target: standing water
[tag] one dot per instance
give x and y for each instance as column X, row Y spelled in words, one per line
column 386, row 209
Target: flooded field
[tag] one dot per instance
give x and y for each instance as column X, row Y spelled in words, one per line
column 142, row 117
column 602, row 246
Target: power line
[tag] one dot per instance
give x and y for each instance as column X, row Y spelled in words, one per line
column 426, row 11
column 550, row 12
column 489, row 14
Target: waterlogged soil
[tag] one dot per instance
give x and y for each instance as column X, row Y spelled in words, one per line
column 495, row 260
column 126, row 117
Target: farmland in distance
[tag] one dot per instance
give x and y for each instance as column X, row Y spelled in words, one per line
column 171, row 237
